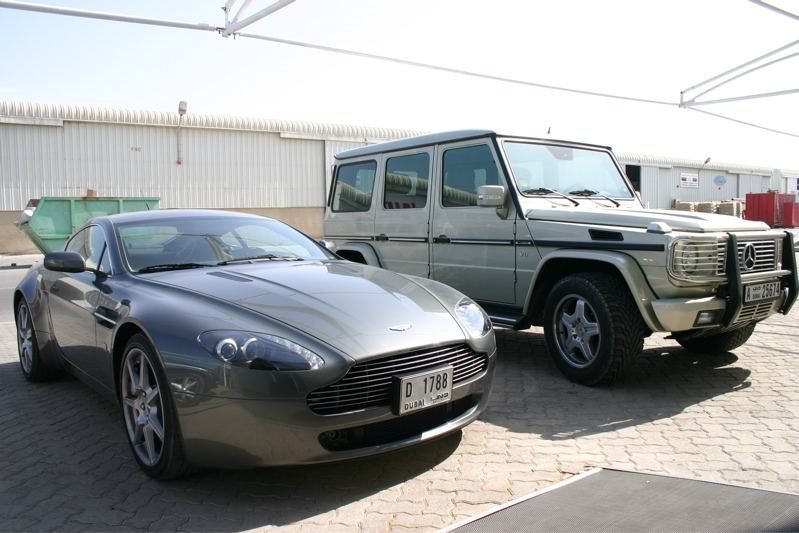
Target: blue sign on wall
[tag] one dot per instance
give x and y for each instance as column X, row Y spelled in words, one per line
column 720, row 180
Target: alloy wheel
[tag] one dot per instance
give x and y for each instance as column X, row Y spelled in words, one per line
column 143, row 407
column 25, row 338
column 577, row 331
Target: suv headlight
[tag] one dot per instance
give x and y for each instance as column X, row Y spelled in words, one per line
column 259, row 351
column 473, row 318
column 694, row 259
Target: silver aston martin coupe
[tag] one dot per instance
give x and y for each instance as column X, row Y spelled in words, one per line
column 235, row 341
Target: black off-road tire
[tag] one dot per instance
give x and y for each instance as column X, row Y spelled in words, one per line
column 719, row 343
column 607, row 307
column 34, row 366
column 168, row 460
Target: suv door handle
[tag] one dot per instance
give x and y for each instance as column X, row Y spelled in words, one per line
column 442, row 239
column 381, row 237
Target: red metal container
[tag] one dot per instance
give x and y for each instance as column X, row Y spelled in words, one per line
column 790, row 215
column 768, row 207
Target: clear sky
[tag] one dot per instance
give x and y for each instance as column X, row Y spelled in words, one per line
column 644, row 48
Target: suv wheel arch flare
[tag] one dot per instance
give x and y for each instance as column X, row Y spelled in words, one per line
column 578, row 261
column 355, row 251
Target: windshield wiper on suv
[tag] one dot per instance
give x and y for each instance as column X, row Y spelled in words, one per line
column 545, row 190
column 263, row 257
column 589, row 192
column 171, row 266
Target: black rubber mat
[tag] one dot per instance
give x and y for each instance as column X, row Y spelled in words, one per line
column 612, row 500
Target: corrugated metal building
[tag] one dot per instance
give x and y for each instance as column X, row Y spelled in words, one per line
column 660, row 183
column 277, row 168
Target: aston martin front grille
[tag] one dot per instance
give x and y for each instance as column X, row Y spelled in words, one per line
column 368, row 384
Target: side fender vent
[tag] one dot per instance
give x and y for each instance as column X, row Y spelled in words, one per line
column 603, row 235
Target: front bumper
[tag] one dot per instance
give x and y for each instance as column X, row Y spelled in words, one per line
column 681, row 314
column 244, row 433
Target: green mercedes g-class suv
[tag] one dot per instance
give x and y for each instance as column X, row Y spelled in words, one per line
column 551, row 233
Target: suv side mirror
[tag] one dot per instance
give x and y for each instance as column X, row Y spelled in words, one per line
column 491, row 196
column 64, row 262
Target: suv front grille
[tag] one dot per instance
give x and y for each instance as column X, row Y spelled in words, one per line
column 368, row 384
column 754, row 311
column 767, row 253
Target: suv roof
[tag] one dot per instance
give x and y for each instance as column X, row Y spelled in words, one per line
column 436, row 138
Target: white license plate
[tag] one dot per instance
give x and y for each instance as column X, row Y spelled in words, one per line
column 762, row 291
column 422, row 390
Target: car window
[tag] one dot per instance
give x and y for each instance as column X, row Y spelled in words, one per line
column 406, row 182
column 211, row 240
column 90, row 244
column 566, row 169
column 354, row 186
column 255, row 239
column 466, row 169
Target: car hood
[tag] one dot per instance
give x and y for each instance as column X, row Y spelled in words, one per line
column 640, row 218
column 361, row 311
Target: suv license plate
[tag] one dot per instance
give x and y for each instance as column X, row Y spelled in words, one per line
column 762, row 291
column 420, row 391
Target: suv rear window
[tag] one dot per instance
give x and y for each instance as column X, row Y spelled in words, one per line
column 354, row 185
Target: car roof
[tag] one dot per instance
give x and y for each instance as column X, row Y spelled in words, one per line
column 173, row 214
column 443, row 137
column 412, row 142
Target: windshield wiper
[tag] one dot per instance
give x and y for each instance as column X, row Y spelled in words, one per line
column 171, row 266
column 545, row 190
column 589, row 192
column 263, row 257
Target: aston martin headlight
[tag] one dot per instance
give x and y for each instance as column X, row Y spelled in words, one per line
column 259, row 351
column 697, row 259
column 473, row 318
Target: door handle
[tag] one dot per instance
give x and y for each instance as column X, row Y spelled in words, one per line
column 381, row 237
column 442, row 239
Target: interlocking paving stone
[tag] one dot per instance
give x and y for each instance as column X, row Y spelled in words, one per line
column 65, row 464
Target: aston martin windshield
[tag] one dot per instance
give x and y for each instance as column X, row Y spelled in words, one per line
column 564, row 169
column 178, row 243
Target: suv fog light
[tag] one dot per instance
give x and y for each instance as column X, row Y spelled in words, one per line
column 706, row 318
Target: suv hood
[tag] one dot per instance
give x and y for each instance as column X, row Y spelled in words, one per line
column 349, row 306
column 640, row 218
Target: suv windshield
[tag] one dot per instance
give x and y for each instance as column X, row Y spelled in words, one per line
column 177, row 243
column 564, row 169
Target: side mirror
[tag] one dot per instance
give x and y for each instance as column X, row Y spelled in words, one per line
column 491, row 196
column 64, row 262
column 330, row 245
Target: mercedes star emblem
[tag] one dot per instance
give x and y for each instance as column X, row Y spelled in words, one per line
column 750, row 256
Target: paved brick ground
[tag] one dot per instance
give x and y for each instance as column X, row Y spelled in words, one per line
column 65, row 465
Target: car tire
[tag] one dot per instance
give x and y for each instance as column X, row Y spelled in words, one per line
column 34, row 366
column 149, row 417
column 718, row 343
column 592, row 327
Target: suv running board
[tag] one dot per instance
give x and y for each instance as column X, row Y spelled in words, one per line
column 507, row 318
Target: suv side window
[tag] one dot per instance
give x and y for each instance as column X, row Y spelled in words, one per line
column 354, row 186
column 406, row 182
column 90, row 244
column 466, row 169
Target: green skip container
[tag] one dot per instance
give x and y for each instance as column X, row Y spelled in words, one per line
column 56, row 218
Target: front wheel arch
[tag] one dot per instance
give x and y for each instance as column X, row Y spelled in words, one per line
column 125, row 332
column 622, row 267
